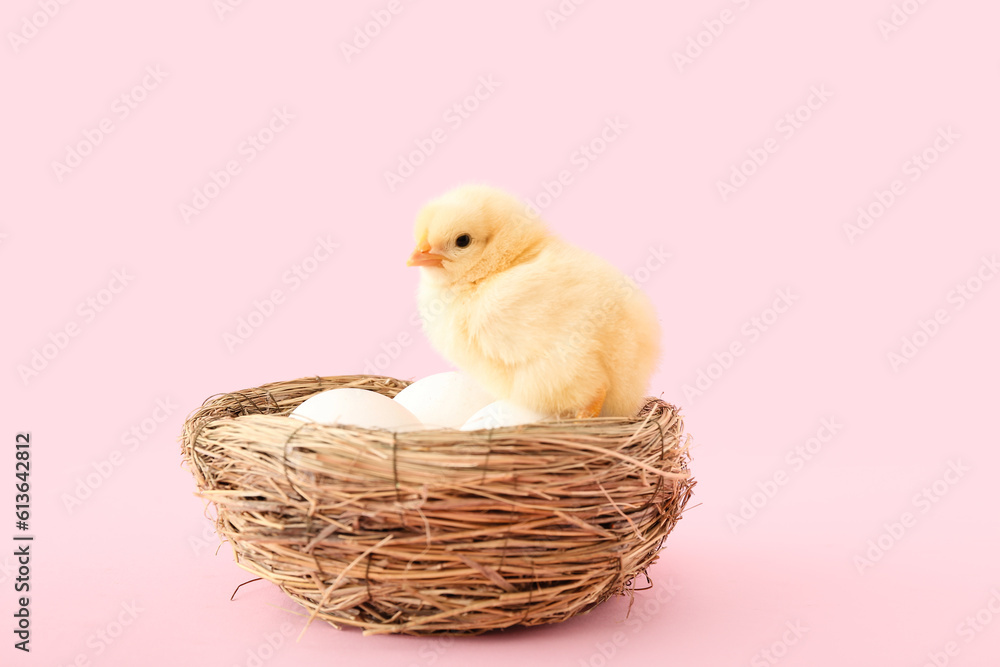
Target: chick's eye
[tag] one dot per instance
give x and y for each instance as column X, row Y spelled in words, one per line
column 463, row 240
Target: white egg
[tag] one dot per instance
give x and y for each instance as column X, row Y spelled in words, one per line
column 351, row 406
column 445, row 400
column 502, row 413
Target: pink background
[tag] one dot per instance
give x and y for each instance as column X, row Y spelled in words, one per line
column 727, row 588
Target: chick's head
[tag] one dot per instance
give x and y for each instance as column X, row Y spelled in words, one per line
column 472, row 232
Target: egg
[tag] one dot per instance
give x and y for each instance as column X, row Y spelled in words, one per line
column 350, row 406
column 502, row 413
column 445, row 400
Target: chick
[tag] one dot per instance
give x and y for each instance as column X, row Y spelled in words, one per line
column 532, row 318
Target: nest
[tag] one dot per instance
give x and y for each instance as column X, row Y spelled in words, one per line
column 437, row 531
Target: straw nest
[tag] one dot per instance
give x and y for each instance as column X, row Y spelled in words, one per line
column 437, row 531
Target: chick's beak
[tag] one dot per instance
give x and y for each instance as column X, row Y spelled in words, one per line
column 422, row 255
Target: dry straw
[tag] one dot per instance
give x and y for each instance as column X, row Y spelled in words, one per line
column 437, row 531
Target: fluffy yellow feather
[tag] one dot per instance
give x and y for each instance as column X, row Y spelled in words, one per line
column 532, row 318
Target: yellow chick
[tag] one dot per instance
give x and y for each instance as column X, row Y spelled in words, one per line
column 532, row 318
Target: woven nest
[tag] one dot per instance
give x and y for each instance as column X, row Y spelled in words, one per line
column 437, row 531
